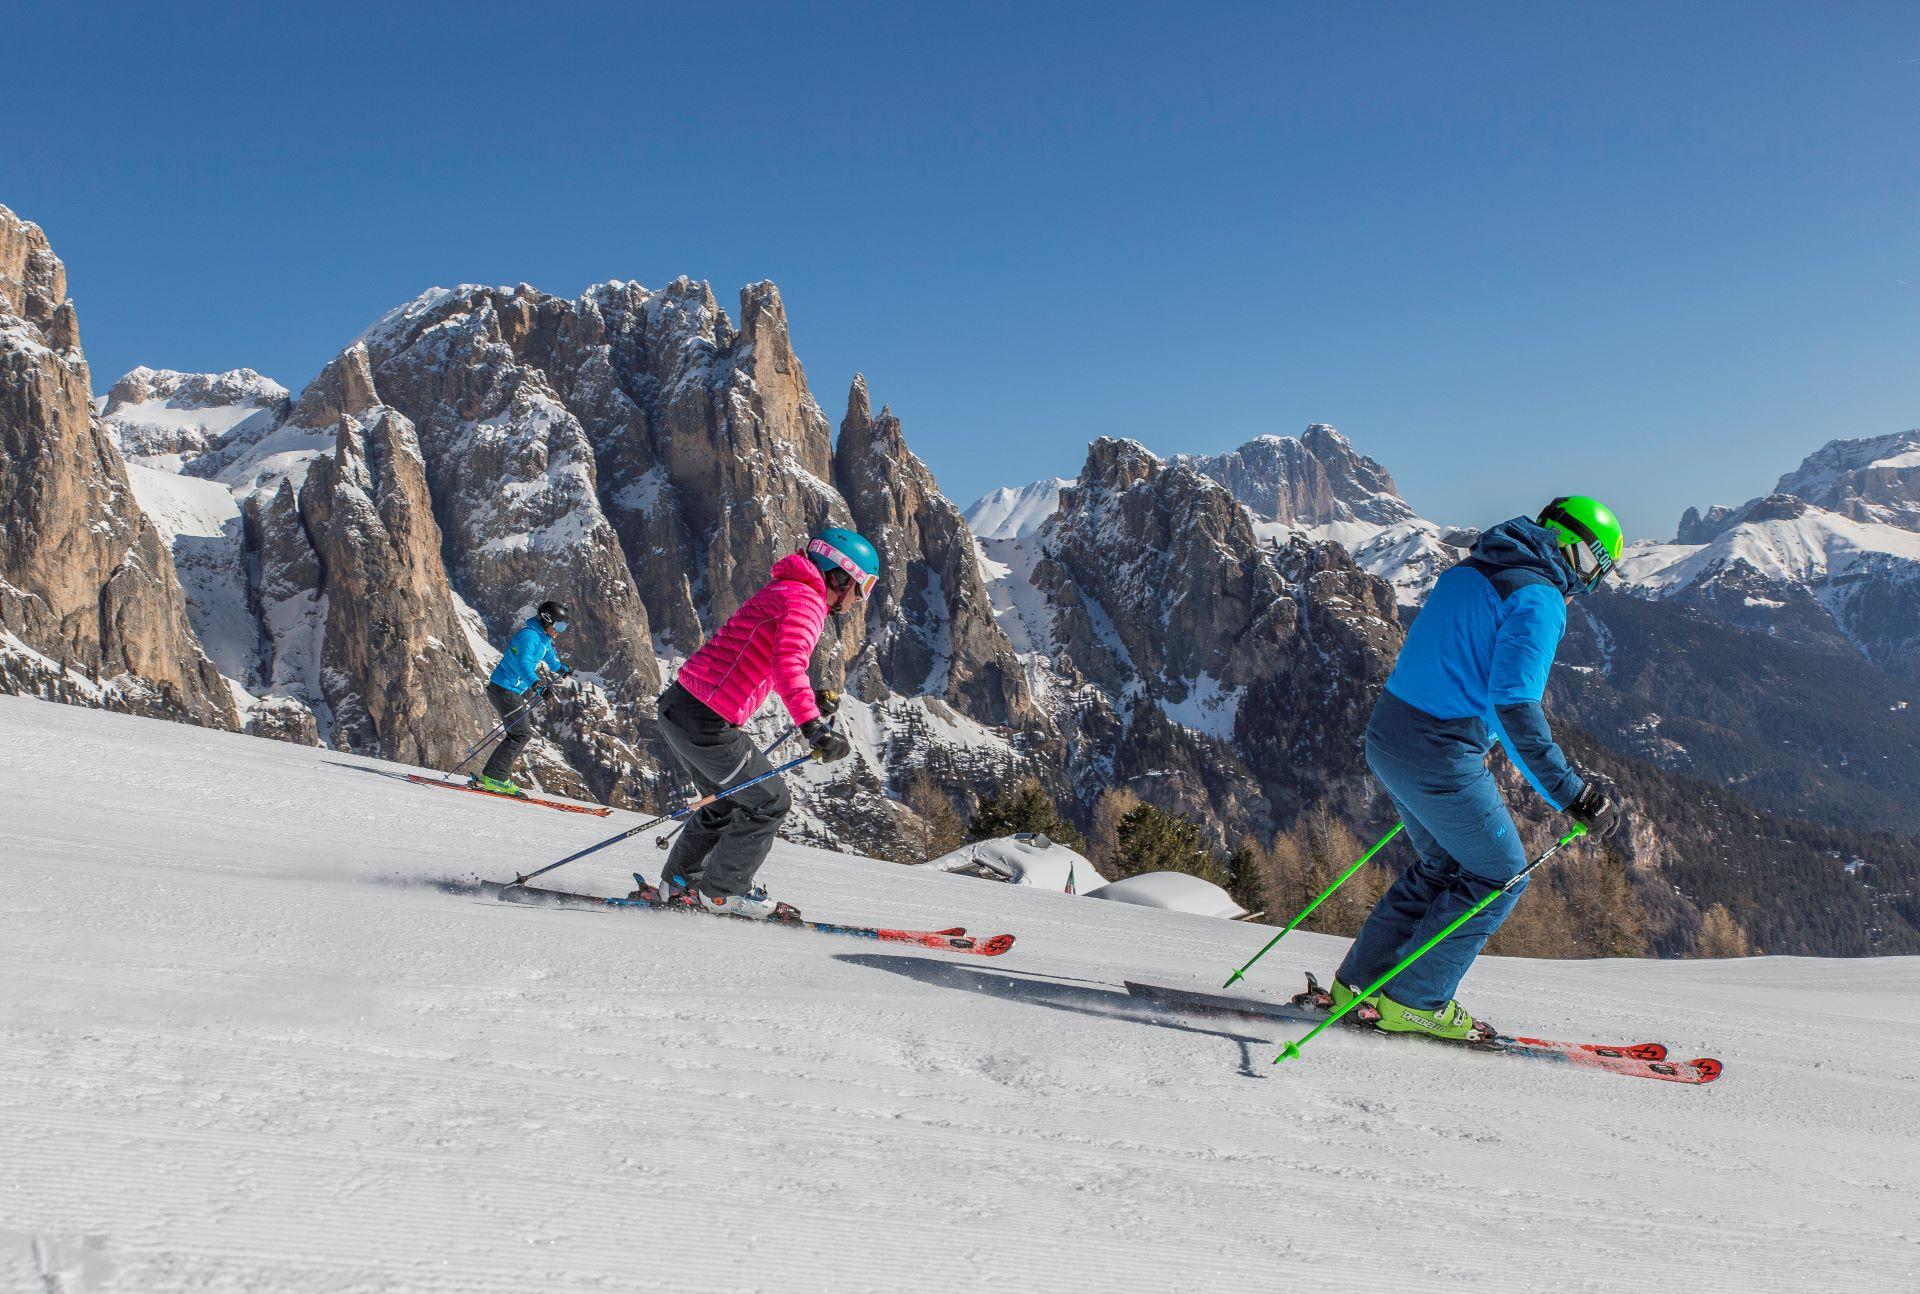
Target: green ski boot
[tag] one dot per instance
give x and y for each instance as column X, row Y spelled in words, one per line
column 1451, row 1022
column 498, row 785
column 1343, row 994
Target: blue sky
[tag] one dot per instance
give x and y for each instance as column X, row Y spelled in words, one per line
column 1655, row 253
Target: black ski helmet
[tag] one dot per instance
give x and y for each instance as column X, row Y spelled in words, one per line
column 551, row 614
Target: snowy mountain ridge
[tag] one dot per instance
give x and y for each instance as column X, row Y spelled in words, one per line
column 1831, row 557
column 1314, row 487
column 1012, row 512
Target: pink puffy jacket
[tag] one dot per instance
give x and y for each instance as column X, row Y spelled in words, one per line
column 764, row 645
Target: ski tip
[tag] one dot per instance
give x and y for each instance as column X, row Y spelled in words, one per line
column 996, row 945
column 1646, row 1051
column 1707, row 1067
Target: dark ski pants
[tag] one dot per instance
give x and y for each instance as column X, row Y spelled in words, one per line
column 1468, row 847
column 519, row 730
column 722, row 846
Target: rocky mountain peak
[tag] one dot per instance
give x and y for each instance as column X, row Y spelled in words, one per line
column 1875, row 479
column 1314, row 480
column 240, row 386
column 930, row 624
column 86, row 583
column 33, row 281
column 344, row 388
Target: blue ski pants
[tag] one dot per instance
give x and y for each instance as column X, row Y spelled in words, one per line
column 1467, row 847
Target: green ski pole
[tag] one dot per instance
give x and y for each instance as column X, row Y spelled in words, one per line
column 1308, row 910
column 1292, row 1050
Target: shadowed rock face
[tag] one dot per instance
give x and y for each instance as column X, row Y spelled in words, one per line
column 397, row 671
column 1163, row 596
column 513, row 477
column 84, row 577
column 930, row 622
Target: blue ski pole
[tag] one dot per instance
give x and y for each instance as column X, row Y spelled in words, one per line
column 661, row 840
column 694, row 807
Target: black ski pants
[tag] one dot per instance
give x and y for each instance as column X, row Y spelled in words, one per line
column 722, row 846
column 519, row 729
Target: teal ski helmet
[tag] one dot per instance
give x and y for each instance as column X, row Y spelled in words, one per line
column 839, row 549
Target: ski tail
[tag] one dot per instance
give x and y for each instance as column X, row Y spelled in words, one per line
column 954, row 940
column 565, row 806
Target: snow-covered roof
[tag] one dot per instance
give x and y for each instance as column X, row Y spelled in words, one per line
column 1172, row 892
column 1029, row 858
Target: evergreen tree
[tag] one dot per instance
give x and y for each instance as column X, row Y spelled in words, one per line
column 1027, row 807
column 1150, row 839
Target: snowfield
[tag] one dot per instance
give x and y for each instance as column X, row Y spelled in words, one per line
column 246, row 1044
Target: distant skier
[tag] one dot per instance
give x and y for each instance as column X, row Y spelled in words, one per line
column 529, row 653
column 763, row 647
column 1473, row 671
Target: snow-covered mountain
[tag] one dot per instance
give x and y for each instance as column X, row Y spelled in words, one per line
column 1831, row 558
column 1315, row 487
column 1874, row 480
column 1013, row 511
column 256, row 1038
column 161, row 414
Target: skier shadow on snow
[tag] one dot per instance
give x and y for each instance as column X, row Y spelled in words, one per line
column 1102, row 1004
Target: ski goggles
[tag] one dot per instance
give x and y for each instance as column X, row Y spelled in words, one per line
column 862, row 582
column 559, row 626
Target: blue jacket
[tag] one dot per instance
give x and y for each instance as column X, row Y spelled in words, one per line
column 528, row 649
column 1476, row 659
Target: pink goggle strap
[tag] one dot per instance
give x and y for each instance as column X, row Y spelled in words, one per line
column 861, row 580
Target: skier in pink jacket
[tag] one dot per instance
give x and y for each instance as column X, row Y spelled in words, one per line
column 763, row 647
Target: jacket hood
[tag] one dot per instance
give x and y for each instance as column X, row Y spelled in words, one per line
column 798, row 566
column 1524, row 544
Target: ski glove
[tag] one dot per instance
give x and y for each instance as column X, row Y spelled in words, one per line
column 828, row 745
column 566, row 671
column 828, row 700
column 1597, row 807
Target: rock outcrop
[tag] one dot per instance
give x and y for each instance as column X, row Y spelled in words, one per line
column 931, row 628
column 85, row 580
column 396, row 670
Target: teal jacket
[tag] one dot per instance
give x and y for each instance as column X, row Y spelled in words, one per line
column 528, row 649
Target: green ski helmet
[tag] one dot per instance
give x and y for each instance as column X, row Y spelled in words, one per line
column 1589, row 535
column 847, row 552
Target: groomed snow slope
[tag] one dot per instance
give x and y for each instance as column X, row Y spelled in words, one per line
column 246, row 1045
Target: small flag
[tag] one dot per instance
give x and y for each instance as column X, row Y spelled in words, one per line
column 1070, row 888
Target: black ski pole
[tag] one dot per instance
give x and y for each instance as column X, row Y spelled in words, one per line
column 694, row 807
column 661, row 841
column 538, row 690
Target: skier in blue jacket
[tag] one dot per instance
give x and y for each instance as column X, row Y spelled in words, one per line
column 529, row 651
column 1472, row 672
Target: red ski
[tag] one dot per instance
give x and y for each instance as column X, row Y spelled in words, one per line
column 954, row 940
column 593, row 810
column 1634, row 1060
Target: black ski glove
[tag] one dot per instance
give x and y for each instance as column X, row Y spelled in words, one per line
column 1597, row 807
column 828, row 745
column 566, row 671
column 828, row 701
